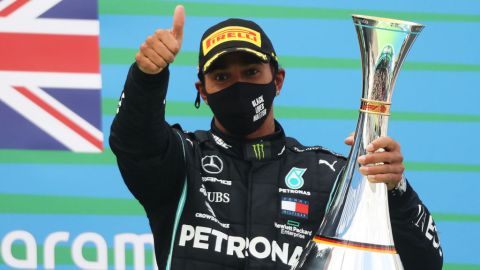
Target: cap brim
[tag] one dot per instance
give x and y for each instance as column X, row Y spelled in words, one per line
column 262, row 56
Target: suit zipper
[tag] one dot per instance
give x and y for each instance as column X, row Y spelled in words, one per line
column 248, row 213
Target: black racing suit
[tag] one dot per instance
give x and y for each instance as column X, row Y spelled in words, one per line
column 216, row 202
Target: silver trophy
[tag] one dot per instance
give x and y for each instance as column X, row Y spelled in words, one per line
column 355, row 233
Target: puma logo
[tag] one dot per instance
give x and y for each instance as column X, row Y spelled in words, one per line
column 322, row 161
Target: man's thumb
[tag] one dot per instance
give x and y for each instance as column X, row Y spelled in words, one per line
column 178, row 22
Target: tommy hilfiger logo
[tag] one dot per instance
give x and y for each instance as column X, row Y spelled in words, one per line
column 295, row 207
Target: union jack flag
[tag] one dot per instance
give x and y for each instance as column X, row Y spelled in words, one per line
column 50, row 75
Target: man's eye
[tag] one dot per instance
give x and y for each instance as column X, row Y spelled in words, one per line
column 221, row 77
column 251, row 71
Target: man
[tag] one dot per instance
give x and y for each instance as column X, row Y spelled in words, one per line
column 214, row 198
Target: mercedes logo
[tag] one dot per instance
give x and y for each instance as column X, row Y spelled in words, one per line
column 212, row 164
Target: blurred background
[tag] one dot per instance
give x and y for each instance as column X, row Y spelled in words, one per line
column 62, row 69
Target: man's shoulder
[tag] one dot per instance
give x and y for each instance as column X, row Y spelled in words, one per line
column 191, row 137
column 200, row 137
column 295, row 146
column 189, row 134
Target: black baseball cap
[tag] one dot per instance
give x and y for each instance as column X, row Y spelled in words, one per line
column 234, row 35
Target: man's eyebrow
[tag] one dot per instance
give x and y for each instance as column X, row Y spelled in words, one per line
column 218, row 66
column 223, row 65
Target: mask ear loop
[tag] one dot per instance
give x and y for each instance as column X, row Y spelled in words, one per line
column 197, row 100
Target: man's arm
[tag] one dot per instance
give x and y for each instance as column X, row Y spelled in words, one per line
column 149, row 153
column 148, row 150
column 414, row 232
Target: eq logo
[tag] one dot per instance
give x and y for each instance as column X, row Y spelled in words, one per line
column 212, row 164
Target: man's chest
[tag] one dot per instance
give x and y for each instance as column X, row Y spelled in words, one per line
column 253, row 211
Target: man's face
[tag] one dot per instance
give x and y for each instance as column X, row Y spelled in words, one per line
column 236, row 67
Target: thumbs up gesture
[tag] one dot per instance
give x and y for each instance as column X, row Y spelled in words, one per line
column 160, row 49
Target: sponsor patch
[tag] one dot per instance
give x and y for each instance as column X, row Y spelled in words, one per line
column 294, row 191
column 212, row 218
column 231, row 33
column 215, row 196
column 212, row 164
column 221, row 142
column 258, row 150
column 294, row 179
column 425, row 223
column 295, row 207
column 292, row 228
column 259, row 247
column 216, row 180
column 328, row 164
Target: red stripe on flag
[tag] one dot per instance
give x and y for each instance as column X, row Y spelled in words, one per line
column 12, row 7
column 301, row 208
column 59, row 116
column 47, row 52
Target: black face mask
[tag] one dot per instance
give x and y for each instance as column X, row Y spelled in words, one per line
column 242, row 107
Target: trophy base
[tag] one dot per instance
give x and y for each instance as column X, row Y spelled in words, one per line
column 337, row 257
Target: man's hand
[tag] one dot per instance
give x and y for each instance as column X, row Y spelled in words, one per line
column 160, row 49
column 391, row 171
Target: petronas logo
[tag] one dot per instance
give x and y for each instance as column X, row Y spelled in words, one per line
column 294, row 178
column 258, row 150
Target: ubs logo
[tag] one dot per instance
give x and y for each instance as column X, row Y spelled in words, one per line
column 212, row 164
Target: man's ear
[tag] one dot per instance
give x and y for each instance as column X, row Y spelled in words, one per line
column 201, row 89
column 279, row 78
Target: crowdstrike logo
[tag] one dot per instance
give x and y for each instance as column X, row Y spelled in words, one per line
column 212, row 164
column 212, row 218
column 259, row 247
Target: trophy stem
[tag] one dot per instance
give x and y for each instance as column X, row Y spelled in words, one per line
column 358, row 211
